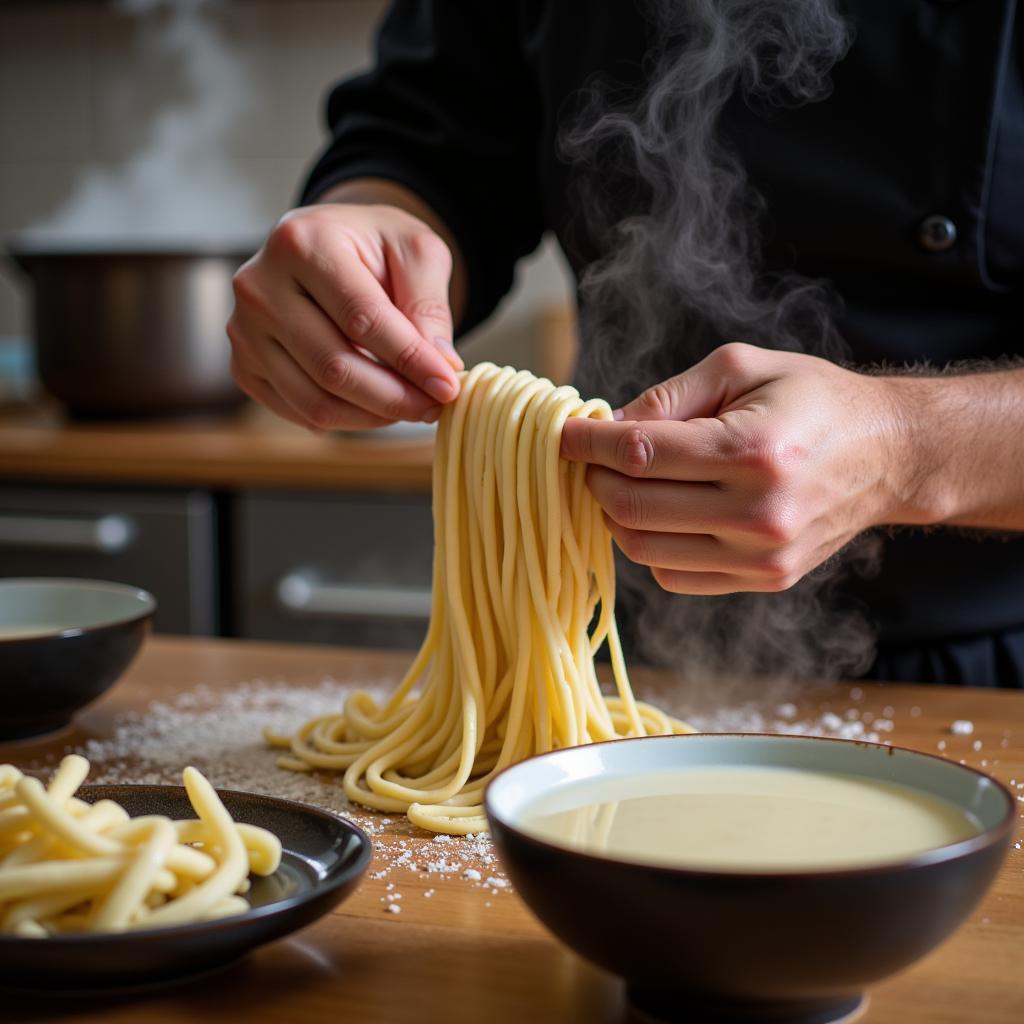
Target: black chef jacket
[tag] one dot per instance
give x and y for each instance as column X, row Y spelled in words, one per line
column 922, row 137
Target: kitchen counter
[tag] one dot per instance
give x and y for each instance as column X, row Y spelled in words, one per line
column 467, row 954
column 250, row 448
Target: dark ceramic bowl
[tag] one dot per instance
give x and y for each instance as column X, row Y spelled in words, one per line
column 63, row 642
column 727, row 945
column 323, row 858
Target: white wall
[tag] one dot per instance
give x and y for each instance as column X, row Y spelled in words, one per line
column 81, row 95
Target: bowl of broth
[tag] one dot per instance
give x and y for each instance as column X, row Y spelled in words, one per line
column 63, row 643
column 748, row 877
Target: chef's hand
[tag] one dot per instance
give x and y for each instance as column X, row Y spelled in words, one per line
column 342, row 319
column 746, row 471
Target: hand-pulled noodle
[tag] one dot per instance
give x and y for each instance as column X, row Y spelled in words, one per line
column 523, row 597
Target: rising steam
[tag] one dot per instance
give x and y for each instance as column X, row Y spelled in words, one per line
column 682, row 273
column 179, row 186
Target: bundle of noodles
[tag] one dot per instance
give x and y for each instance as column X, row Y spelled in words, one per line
column 523, row 597
column 70, row 866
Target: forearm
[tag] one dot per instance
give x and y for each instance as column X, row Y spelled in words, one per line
column 961, row 449
column 374, row 191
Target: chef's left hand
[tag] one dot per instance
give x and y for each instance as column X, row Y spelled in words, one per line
column 746, row 471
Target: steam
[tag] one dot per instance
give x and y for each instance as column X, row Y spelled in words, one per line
column 682, row 273
column 180, row 186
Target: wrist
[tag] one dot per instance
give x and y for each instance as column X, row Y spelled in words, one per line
column 921, row 493
column 371, row 192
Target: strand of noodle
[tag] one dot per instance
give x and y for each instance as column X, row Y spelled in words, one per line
column 61, row 824
column 114, row 912
column 263, row 847
column 230, row 872
column 35, row 911
column 522, row 599
column 71, row 773
column 53, row 876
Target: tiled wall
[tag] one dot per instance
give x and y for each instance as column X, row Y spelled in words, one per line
column 82, row 93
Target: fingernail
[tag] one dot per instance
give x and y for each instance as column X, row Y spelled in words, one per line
column 618, row 414
column 440, row 389
column 450, row 354
column 432, row 415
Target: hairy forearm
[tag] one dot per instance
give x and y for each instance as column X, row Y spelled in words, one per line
column 960, row 441
column 380, row 191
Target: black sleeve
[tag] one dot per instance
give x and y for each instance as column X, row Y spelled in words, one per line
column 451, row 112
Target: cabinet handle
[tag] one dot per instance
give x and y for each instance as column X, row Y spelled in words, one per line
column 300, row 593
column 105, row 535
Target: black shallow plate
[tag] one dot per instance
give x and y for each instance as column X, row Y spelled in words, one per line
column 324, row 857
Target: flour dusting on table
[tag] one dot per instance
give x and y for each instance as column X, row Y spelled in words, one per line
column 220, row 732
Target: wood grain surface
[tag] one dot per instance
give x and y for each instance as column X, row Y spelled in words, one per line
column 467, row 954
column 249, row 449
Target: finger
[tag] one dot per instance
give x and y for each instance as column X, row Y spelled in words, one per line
column 690, row 552
column 662, row 505
column 318, row 408
column 700, row 583
column 420, row 266
column 704, row 389
column 353, row 298
column 315, row 343
column 262, row 391
column 661, row 450
column 709, row 583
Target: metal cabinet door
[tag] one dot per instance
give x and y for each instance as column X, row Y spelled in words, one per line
column 164, row 542
column 333, row 568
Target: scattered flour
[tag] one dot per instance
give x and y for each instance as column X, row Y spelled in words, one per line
column 220, row 732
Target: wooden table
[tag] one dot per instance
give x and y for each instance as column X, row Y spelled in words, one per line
column 464, row 955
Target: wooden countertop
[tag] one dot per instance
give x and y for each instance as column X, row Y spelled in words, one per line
column 467, row 956
column 251, row 448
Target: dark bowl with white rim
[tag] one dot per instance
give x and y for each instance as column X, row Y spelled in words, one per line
column 63, row 643
column 717, row 946
column 324, row 857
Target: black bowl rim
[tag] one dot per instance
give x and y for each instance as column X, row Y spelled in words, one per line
column 998, row 834
column 143, row 613
column 344, row 877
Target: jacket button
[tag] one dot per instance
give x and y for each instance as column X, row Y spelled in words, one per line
column 937, row 233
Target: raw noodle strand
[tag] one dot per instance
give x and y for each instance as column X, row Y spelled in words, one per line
column 523, row 597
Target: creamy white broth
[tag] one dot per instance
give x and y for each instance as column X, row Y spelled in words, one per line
column 750, row 819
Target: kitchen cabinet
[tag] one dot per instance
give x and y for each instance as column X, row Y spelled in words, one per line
column 332, row 567
column 164, row 542
column 352, row 568
column 240, row 525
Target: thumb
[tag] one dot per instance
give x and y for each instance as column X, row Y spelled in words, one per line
column 420, row 267
column 701, row 391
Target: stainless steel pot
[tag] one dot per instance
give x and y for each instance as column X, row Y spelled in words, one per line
column 128, row 332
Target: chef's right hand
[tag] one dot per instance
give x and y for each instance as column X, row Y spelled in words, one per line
column 342, row 319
